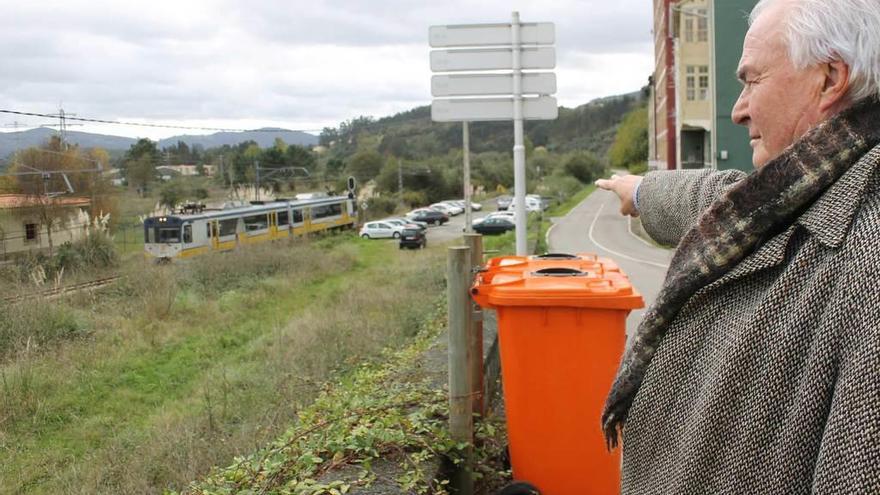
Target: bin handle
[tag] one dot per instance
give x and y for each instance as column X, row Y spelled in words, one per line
column 559, row 272
column 557, row 256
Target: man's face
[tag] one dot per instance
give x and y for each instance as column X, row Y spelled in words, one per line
column 778, row 103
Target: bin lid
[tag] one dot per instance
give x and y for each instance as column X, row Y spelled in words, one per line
column 584, row 261
column 556, row 286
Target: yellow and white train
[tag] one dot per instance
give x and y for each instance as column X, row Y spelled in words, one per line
column 187, row 235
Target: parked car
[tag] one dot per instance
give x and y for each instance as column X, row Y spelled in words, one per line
column 474, row 206
column 380, row 230
column 405, row 223
column 429, row 216
column 509, row 215
column 447, row 208
column 494, row 226
column 503, row 202
column 532, row 204
column 413, row 238
column 544, row 201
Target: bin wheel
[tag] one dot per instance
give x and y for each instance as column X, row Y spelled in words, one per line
column 519, row 488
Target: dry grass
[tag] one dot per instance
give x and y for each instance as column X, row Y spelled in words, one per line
column 244, row 339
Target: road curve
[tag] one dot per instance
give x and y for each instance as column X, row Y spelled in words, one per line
column 596, row 226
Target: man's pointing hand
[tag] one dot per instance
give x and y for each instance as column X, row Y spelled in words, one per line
column 623, row 186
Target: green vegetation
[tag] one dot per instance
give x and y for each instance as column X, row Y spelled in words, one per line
column 178, row 368
column 630, row 148
column 378, row 412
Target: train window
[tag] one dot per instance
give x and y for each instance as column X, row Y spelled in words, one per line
column 282, row 218
column 187, row 234
column 208, row 229
column 227, row 227
column 256, row 222
column 297, row 216
column 326, row 210
column 169, row 235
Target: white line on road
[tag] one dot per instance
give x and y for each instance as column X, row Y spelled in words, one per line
column 625, row 256
column 629, row 226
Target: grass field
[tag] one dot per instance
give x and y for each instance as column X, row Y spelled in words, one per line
column 182, row 367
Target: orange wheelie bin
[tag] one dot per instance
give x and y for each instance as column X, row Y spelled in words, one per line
column 561, row 328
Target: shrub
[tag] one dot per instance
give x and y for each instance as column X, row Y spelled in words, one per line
column 584, row 166
column 379, row 206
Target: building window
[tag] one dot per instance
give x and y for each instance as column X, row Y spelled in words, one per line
column 702, row 25
column 31, row 233
column 691, row 82
column 688, row 28
column 704, row 82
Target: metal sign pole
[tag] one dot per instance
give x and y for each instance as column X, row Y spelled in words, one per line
column 519, row 150
column 466, row 150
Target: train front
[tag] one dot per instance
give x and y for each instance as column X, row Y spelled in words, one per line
column 163, row 237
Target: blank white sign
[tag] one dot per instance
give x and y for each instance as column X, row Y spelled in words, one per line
column 492, row 109
column 491, row 59
column 541, row 33
column 539, row 83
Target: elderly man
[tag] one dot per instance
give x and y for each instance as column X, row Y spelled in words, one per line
column 757, row 369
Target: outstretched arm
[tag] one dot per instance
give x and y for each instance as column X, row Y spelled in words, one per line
column 670, row 202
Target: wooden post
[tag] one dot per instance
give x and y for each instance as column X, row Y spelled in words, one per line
column 475, row 243
column 461, row 421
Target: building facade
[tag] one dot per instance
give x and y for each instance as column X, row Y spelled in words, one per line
column 21, row 228
column 697, row 46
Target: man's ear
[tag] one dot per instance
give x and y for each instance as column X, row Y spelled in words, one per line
column 836, row 87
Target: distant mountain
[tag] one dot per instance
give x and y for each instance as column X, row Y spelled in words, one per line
column 12, row 141
column 264, row 137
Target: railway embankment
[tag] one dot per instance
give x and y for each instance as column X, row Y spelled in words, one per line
column 380, row 429
column 145, row 385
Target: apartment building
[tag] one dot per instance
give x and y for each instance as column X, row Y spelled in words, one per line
column 697, row 46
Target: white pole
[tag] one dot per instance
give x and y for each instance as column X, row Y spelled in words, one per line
column 519, row 150
column 467, row 177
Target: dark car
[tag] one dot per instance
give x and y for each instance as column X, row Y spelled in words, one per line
column 503, row 202
column 494, row 226
column 413, row 238
column 430, row 217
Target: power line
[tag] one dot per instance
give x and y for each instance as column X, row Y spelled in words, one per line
column 143, row 124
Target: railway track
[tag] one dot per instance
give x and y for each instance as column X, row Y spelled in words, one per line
column 54, row 292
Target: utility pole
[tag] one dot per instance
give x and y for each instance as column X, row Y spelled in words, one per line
column 257, row 165
column 399, row 177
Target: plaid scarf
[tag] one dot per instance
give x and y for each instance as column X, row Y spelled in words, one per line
column 736, row 224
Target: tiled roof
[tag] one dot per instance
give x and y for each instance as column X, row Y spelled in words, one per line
column 23, row 200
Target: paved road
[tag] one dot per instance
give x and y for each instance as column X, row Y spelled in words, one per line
column 596, row 226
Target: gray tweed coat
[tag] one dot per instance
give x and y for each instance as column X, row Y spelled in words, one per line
column 768, row 380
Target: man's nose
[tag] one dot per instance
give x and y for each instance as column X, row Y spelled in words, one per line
column 740, row 113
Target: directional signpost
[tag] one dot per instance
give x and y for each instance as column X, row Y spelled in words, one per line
column 477, row 49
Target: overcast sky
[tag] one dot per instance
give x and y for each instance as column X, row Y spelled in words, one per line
column 293, row 64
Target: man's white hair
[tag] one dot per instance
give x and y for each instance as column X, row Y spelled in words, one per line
column 821, row 31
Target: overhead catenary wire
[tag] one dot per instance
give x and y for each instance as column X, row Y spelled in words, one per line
column 146, row 124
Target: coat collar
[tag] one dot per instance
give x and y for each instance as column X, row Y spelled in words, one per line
column 831, row 216
column 828, row 220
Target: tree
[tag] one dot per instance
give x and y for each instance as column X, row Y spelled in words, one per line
column 299, row 156
column 70, row 170
column 584, row 166
column 140, row 164
column 630, row 148
column 172, row 194
column 365, row 165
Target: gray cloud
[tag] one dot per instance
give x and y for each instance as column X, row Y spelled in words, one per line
column 298, row 62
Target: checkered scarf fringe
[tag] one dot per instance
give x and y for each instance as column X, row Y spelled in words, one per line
column 749, row 213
